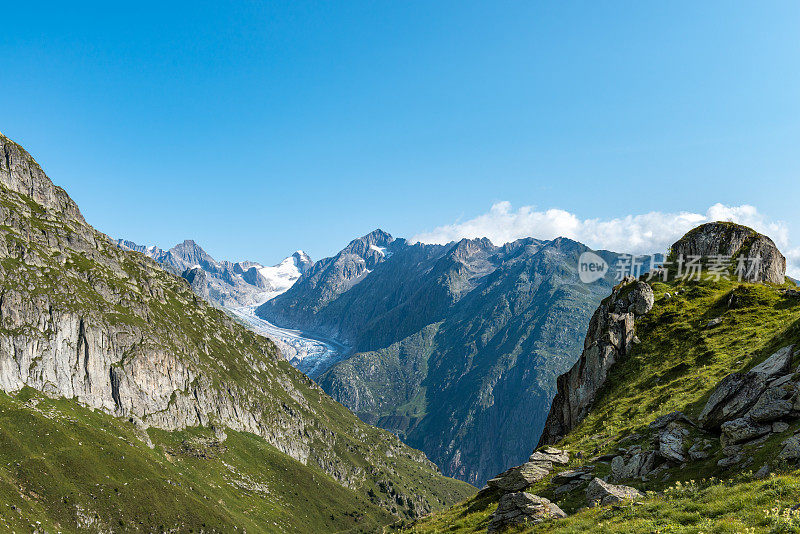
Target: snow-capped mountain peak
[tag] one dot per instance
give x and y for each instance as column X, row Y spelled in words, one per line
column 228, row 284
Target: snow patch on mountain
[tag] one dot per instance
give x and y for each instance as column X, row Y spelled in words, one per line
column 283, row 275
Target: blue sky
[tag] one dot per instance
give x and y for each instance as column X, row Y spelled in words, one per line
column 257, row 128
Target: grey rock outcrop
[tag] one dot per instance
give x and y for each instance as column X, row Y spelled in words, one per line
column 671, row 443
column 551, row 455
column 737, row 393
column 516, row 506
column 535, row 469
column 602, row 493
column 635, row 463
column 519, row 478
column 610, row 338
column 742, row 429
column 733, row 240
column 522, row 508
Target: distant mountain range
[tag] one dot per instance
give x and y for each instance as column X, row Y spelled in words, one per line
column 455, row 348
column 227, row 284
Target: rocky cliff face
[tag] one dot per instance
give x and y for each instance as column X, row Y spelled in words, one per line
column 610, row 338
column 82, row 319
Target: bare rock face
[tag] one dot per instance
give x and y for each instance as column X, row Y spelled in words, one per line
column 610, row 338
column 733, row 240
column 522, row 508
column 601, row 493
column 198, row 281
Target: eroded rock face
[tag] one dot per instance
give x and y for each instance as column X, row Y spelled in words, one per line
column 522, row 508
column 610, row 338
column 733, row 240
column 602, row 493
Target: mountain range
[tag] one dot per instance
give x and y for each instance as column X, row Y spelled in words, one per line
column 227, row 284
column 455, row 348
column 682, row 413
column 130, row 404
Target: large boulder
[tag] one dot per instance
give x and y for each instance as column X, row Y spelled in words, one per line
column 520, row 477
column 671, row 443
column 734, row 241
column 601, row 493
column 521, row 508
column 742, row 429
column 791, row 449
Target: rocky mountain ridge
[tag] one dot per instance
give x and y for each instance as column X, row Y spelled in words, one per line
column 82, row 319
column 455, row 347
column 225, row 283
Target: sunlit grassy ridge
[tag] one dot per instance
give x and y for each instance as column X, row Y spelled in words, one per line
column 678, row 362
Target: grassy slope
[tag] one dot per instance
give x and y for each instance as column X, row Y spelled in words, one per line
column 62, row 464
column 677, row 364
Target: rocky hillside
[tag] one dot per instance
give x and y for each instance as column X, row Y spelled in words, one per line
column 455, row 348
column 113, row 334
column 681, row 415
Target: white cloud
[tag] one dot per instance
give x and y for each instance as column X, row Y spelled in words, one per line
column 635, row 234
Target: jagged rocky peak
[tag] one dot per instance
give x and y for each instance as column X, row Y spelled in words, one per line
column 192, row 253
column 371, row 247
column 302, row 261
column 20, row 173
column 254, row 278
column 734, row 240
column 466, row 248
